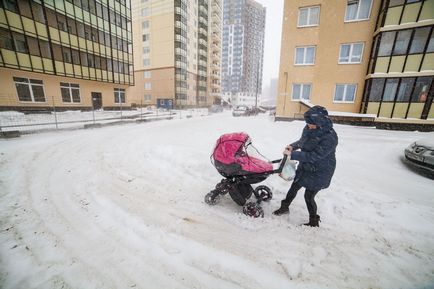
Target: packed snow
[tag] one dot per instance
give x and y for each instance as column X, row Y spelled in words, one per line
column 123, row 207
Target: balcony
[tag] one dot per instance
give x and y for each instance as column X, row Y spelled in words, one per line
column 217, row 5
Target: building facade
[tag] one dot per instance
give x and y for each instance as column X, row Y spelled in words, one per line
column 215, row 52
column 71, row 54
column 243, row 49
column 174, row 52
column 400, row 76
column 378, row 63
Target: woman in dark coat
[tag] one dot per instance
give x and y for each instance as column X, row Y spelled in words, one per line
column 315, row 152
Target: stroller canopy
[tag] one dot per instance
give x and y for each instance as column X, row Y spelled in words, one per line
column 230, row 156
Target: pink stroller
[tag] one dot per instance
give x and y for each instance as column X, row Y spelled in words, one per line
column 240, row 170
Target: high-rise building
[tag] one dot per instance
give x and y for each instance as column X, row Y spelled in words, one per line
column 366, row 56
column 174, row 52
column 243, row 50
column 215, row 51
column 73, row 54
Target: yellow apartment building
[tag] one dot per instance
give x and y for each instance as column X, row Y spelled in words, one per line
column 176, row 52
column 71, row 54
column 366, row 56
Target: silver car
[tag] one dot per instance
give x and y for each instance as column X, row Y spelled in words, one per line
column 421, row 155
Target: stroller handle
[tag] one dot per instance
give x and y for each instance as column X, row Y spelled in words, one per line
column 282, row 163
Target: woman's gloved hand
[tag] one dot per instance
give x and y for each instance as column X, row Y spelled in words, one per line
column 288, row 150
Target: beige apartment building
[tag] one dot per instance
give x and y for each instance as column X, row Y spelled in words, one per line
column 176, row 52
column 70, row 54
column 328, row 57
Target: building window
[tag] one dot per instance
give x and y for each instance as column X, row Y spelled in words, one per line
column 146, row 49
column 376, row 89
column 146, row 11
column 67, row 55
column 305, row 55
column 20, row 43
column 386, row 44
column 29, row 89
column 6, row 39
column 301, row 91
column 404, row 91
column 146, row 62
column 147, row 74
column 70, row 92
column 145, row 24
column 119, row 95
column 351, row 53
column 390, row 89
column 419, row 40
column 145, row 37
column 148, row 86
column 308, row 16
column 358, row 10
column 345, row 92
column 401, row 42
column 11, row 5
column 421, row 89
column 148, row 97
column 430, row 47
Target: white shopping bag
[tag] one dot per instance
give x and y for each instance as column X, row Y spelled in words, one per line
column 288, row 171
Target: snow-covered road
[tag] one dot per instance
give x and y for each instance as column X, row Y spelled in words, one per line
column 122, row 207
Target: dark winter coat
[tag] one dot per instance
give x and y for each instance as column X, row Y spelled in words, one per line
column 315, row 152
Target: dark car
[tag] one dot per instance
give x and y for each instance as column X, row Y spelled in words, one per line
column 420, row 154
column 241, row 110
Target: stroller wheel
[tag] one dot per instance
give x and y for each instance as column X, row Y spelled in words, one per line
column 253, row 209
column 264, row 193
column 224, row 186
column 212, row 197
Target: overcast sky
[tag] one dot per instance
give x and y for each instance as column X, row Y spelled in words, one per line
column 273, row 31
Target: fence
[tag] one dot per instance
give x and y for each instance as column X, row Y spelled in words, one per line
column 51, row 117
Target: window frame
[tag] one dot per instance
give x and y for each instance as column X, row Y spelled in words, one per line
column 345, row 93
column 302, row 85
column 29, row 84
column 118, row 95
column 358, row 11
column 308, row 8
column 350, row 54
column 147, row 74
column 304, row 55
column 70, row 88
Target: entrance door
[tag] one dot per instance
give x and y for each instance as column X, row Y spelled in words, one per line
column 96, row 100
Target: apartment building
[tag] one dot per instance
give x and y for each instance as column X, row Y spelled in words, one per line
column 243, row 50
column 399, row 82
column 175, row 51
column 215, row 52
column 71, row 54
column 366, row 56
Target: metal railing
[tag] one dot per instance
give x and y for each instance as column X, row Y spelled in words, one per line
column 30, row 118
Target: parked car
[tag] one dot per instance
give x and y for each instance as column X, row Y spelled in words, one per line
column 241, row 110
column 420, row 154
column 216, row 108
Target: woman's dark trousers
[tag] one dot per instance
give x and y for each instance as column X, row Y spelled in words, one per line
column 309, row 197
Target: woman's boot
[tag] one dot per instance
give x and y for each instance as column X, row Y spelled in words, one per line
column 284, row 209
column 313, row 221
